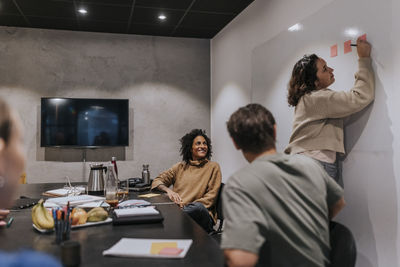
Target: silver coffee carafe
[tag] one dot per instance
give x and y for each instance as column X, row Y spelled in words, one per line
column 96, row 180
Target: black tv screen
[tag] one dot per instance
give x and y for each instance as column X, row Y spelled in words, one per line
column 84, row 122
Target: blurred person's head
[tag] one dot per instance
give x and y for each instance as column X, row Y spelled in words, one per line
column 12, row 158
column 252, row 129
column 195, row 145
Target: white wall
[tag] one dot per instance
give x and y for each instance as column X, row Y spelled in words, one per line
column 371, row 170
column 231, row 52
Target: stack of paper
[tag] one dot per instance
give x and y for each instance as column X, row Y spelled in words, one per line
column 131, row 203
column 148, row 248
column 136, row 212
column 62, row 192
column 74, row 200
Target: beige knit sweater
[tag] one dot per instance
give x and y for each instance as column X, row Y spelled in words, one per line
column 198, row 181
column 318, row 117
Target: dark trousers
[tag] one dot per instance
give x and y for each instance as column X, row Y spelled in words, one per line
column 334, row 170
column 199, row 214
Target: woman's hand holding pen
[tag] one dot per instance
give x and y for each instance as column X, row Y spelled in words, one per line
column 363, row 48
column 3, row 216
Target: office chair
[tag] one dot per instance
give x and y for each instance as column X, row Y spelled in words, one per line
column 220, row 215
column 343, row 246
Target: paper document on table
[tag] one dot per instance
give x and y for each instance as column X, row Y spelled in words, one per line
column 62, row 192
column 148, row 248
column 136, row 211
column 131, row 203
column 74, row 200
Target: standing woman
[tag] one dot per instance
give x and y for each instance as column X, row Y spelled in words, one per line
column 319, row 111
column 12, row 162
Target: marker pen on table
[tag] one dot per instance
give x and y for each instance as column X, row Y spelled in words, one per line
column 10, row 221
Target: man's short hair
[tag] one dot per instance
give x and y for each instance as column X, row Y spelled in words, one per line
column 252, row 128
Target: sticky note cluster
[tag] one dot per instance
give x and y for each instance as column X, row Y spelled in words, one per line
column 346, row 46
column 165, row 248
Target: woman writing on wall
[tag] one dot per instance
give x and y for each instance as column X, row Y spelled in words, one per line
column 319, row 111
column 12, row 161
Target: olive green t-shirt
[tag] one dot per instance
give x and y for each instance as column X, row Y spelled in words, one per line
column 277, row 207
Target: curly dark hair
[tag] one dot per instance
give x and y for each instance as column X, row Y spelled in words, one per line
column 187, row 143
column 252, row 128
column 5, row 121
column 303, row 78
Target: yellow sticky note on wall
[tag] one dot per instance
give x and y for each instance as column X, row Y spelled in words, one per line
column 156, row 247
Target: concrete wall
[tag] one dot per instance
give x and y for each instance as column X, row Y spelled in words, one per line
column 371, row 170
column 167, row 82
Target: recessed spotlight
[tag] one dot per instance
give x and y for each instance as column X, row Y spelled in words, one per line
column 82, row 11
column 162, row 17
column 351, row 32
column 295, row 27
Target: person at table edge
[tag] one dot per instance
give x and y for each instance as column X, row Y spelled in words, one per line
column 196, row 180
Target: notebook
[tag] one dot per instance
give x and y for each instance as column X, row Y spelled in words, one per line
column 149, row 248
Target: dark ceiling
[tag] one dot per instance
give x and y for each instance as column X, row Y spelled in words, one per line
column 185, row 18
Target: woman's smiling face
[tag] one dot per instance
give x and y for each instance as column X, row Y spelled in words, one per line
column 199, row 148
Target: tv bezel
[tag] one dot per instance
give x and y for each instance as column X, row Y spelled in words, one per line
column 79, row 146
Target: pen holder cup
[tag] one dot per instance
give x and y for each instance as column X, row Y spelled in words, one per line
column 62, row 229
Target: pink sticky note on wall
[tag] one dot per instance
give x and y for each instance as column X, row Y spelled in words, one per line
column 363, row 37
column 347, row 46
column 334, row 50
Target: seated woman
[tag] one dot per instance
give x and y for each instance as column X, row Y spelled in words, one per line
column 195, row 179
column 12, row 161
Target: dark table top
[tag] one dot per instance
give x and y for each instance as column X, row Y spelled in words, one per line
column 176, row 225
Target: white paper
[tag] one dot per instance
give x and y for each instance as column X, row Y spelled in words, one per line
column 136, row 247
column 74, row 200
column 94, row 204
column 66, row 191
column 136, row 211
column 133, row 203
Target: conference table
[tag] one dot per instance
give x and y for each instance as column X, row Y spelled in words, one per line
column 204, row 250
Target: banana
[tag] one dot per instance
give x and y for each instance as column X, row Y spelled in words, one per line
column 41, row 217
column 97, row 214
column 34, row 215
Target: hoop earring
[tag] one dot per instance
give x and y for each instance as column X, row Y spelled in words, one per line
column 2, row 181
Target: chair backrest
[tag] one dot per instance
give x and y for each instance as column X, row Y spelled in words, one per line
column 343, row 246
column 218, row 205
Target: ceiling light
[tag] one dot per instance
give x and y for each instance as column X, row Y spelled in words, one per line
column 162, row 17
column 351, row 32
column 295, row 27
column 82, row 10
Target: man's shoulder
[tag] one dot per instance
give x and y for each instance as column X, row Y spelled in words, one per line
column 269, row 166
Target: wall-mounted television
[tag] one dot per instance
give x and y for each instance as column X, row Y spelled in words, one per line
column 84, row 122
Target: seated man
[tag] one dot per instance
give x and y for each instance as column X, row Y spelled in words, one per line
column 277, row 208
column 195, row 180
